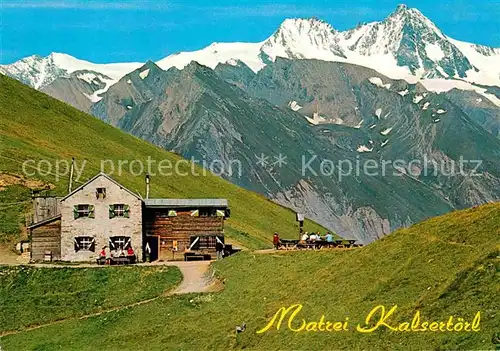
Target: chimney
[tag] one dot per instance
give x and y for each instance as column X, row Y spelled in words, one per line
column 70, row 185
column 147, row 186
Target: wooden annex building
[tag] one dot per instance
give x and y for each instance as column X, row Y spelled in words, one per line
column 103, row 212
column 173, row 226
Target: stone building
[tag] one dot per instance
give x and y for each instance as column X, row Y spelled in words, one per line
column 100, row 213
column 103, row 212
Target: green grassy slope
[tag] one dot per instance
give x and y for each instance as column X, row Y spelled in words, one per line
column 444, row 266
column 36, row 126
column 33, row 296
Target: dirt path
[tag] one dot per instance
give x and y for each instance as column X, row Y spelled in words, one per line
column 195, row 279
column 8, row 257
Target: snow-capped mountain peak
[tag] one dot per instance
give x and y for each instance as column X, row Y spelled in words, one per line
column 38, row 72
column 413, row 43
column 413, row 17
column 303, row 38
column 405, row 45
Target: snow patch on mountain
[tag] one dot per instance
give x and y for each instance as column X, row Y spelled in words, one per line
column 386, row 131
column 417, row 99
column 441, row 85
column 294, row 105
column 363, row 148
column 484, row 58
column 378, row 82
column 359, row 124
column 87, row 77
column 95, row 97
column 216, row 53
column 144, row 74
column 434, row 52
column 316, row 119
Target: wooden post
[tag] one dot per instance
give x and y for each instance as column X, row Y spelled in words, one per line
column 147, row 186
column 70, row 188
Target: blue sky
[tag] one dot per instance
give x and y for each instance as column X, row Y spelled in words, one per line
column 118, row 31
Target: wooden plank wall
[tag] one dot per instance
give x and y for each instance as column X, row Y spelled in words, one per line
column 180, row 227
column 45, row 208
column 46, row 238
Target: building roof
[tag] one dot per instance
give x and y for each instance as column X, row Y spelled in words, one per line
column 185, row 203
column 94, row 178
column 45, row 221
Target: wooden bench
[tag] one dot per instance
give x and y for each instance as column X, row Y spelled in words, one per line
column 120, row 260
column 287, row 244
column 192, row 256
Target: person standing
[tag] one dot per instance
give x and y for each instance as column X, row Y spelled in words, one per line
column 219, row 249
column 276, row 240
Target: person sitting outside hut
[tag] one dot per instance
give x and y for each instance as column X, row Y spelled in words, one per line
column 108, row 255
column 318, row 236
column 102, row 256
column 276, row 240
column 304, row 237
column 131, row 254
column 329, row 237
column 313, row 237
column 120, row 252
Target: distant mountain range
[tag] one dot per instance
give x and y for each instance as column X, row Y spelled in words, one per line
column 405, row 45
column 395, row 89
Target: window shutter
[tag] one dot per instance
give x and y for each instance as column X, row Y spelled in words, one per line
column 195, row 213
column 221, row 213
column 126, row 211
column 194, row 243
column 92, row 245
column 91, row 211
column 75, row 212
column 111, row 211
column 172, row 213
column 77, row 247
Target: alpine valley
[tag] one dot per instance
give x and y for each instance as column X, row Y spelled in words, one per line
column 307, row 99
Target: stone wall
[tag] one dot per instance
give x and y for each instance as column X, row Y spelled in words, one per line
column 101, row 227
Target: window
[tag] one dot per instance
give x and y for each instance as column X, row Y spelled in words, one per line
column 204, row 241
column 83, row 211
column 100, row 193
column 84, row 243
column 208, row 212
column 119, row 242
column 119, row 210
